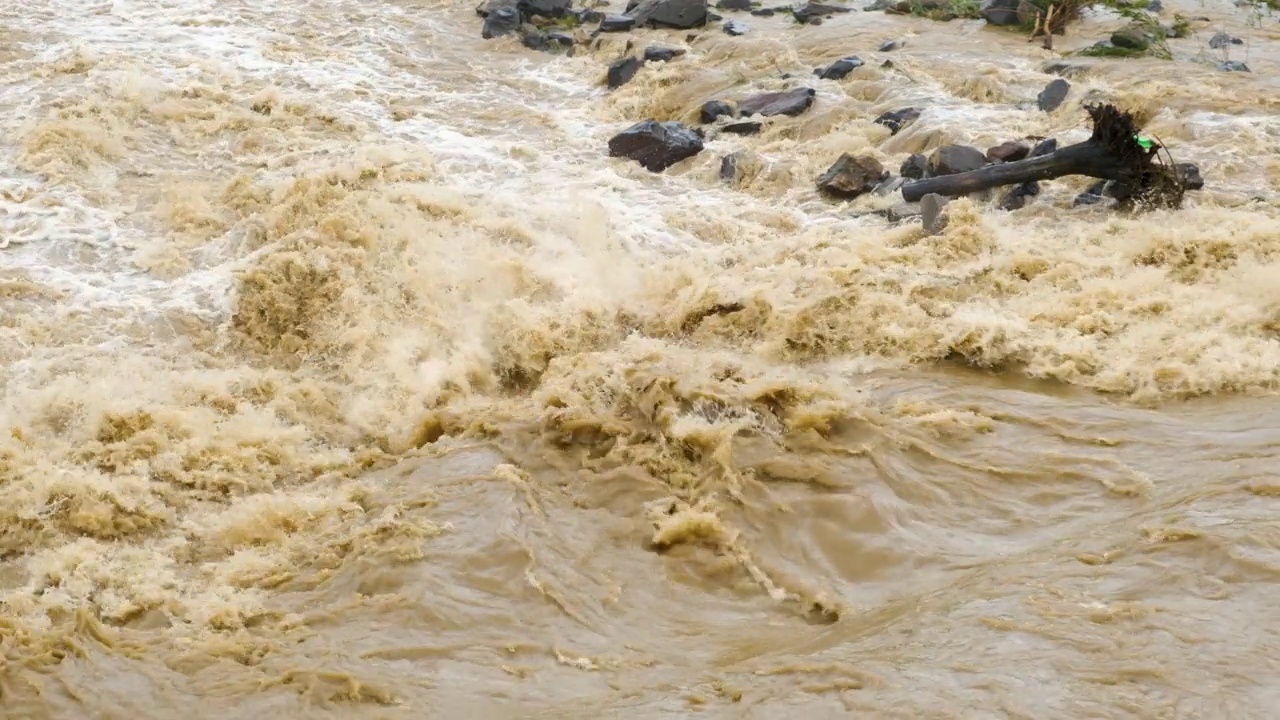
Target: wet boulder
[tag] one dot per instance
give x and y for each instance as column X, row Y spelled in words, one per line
column 1137, row 37
column 622, row 70
column 1019, row 195
column 764, row 12
column 1011, row 151
column 656, row 145
column 1233, row 66
column 839, row 69
column 914, row 167
column 713, row 110
column 1044, row 147
column 953, row 159
column 891, row 45
column 617, row 23
column 851, row 176
column 1053, row 95
column 1189, row 174
column 734, row 28
column 898, row 119
column 1223, row 40
column 545, row 8
column 535, row 39
column 812, row 13
column 501, row 20
column 789, row 102
column 733, row 5
column 743, row 128
column 678, row 14
column 1000, row 12
column 654, row 53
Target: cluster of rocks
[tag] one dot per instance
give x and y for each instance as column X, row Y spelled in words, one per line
column 656, row 145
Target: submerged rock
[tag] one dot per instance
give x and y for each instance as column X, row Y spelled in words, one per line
column 678, row 14
column 764, row 12
column 851, row 176
column 914, row 167
column 548, row 41
column 743, row 128
column 1189, row 174
column 656, row 145
column 839, row 69
column 735, row 28
column 1053, row 95
column 1135, row 36
column 1018, row 197
column 812, row 13
column 789, row 102
column 729, row 168
column 898, row 119
column 622, row 70
column 661, row 54
column 891, row 45
column 953, row 159
column 1234, row 66
column 712, row 110
column 733, row 5
column 1221, row 40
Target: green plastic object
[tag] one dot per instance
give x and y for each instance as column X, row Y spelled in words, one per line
column 1144, row 143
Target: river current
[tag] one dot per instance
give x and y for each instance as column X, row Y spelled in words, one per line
column 345, row 375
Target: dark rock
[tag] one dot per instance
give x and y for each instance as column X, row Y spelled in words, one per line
column 891, row 45
column 713, row 17
column 1135, row 36
column 1155, row 6
column 742, row 128
column 661, row 54
column 1221, row 40
column 764, row 12
column 617, row 23
column 898, row 119
column 812, row 13
column 931, row 213
column 1018, row 197
column 790, row 103
column 914, row 167
column 1000, row 12
column 622, row 70
column 713, row 109
column 1067, row 69
column 545, row 8
column 851, row 176
column 1234, row 66
column 501, row 20
column 1189, row 174
column 839, row 69
column 1053, row 95
column 735, row 28
column 679, row 14
column 1044, row 147
column 1094, row 194
column 729, row 168
column 733, row 5
column 952, row 159
column 547, row 41
column 879, row 6
column 589, row 16
column 1011, row 151
column 656, row 145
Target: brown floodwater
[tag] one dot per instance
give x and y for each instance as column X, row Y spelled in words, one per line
column 346, row 376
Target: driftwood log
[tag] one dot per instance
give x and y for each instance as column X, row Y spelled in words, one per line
column 1111, row 153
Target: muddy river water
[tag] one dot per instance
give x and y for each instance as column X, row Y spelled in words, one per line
column 345, row 376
